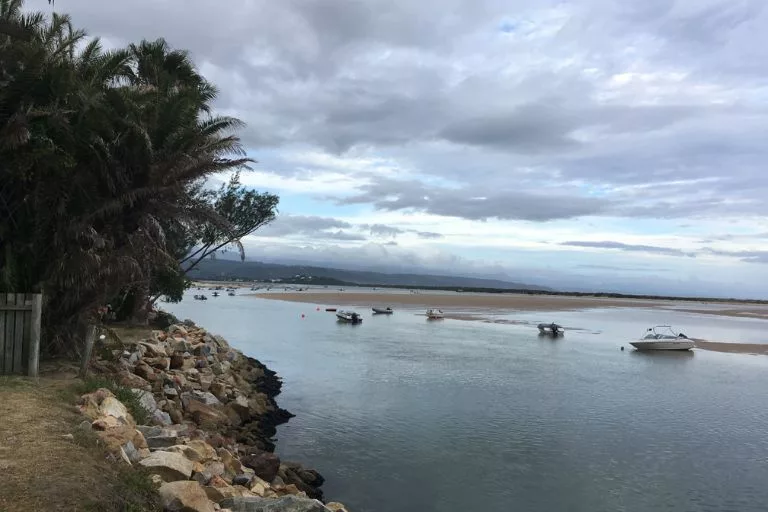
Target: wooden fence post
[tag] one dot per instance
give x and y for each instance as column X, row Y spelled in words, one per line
column 90, row 339
column 34, row 335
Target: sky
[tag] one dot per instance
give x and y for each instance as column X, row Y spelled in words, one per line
column 585, row 144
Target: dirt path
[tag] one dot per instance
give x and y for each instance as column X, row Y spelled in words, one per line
column 42, row 465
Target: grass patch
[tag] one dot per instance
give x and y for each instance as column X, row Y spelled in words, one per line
column 131, row 490
column 11, row 382
column 122, row 393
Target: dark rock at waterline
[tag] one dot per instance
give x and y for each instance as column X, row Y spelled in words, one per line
column 284, row 504
column 264, row 464
column 244, row 480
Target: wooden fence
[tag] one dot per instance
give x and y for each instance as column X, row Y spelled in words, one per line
column 20, row 315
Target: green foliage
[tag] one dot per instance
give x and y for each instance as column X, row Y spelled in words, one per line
column 104, row 156
column 122, row 393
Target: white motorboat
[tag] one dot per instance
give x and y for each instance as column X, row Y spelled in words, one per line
column 662, row 337
column 349, row 317
column 382, row 311
column 435, row 314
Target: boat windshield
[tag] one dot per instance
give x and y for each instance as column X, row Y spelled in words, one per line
column 661, row 332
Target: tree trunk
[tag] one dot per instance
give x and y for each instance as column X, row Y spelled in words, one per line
column 141, row 304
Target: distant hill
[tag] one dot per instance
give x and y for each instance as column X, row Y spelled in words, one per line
column 253, row 270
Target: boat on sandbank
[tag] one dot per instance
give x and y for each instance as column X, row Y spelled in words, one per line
column 663, row 337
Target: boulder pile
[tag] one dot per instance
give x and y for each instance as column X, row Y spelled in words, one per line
column 211, row 418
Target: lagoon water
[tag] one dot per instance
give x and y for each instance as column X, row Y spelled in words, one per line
column 405, row 415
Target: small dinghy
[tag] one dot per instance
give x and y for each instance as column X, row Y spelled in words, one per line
column 552, row 329
column 349, row 317
column 382, row 311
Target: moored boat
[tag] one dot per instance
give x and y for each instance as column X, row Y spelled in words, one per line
column 349, row 317
column 552, row 329
column 382, row 311
column 435, row 314
column 663, row 337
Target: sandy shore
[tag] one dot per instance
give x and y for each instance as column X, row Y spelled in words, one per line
column 461, row 300
column 474, row 304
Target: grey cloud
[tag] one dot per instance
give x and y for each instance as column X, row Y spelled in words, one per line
column 428, row 235
column 383, row 230
column 391, row 195
column 311, row 227
column 745, row 256
column 652, row 249
column 577, row 97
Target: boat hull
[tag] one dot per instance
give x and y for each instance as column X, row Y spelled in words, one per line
column 663, row 345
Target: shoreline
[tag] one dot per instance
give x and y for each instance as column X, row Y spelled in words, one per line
column 208, row 422
column 474, row 305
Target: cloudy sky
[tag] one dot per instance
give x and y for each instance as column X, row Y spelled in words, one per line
column 614, row 144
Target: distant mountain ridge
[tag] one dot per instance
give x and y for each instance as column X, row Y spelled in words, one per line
column 221, row 269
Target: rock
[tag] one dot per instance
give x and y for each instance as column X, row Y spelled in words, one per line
column 335, row 506
column 215, row 468
column 196, row 451
column 125, row 440
column 258, row 405
column 146, row 399
column 264, row 464
column 145, row 371
column 131, row 380
column 205, row 415
column 221, row 343
column 232, row 466
column 200, row 396
column 292, row 478
column 284, row 504
column 184, row 497
column 170, row 466
column 202, row 477
column 159, row 437
column 310, row 477
column 259, row 486
column 170, row 391
column 177, row 361
column 218, row 489
column 219, row 390
column 177, row 329
column 241, row 407
column 242, row 479
column 154, row 349
column 111, row 406
column 159, row 363
column 161, row 418
column 205, row 383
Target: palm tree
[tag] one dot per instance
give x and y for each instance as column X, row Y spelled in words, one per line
column 101, row 153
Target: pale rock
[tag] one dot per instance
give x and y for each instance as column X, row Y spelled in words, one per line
column 170, row 466
column 184, row 497
column 132, row 380
column 284, row 504
column 241, row 406
column 232, row 465
column 206, row 416
column 196, row 451
column 177, row 329
column 146, row 399
column 335, row 506
column 154, row 349
column 219, row 390
column 221, row 343
column 205, row 383
column 161, row 418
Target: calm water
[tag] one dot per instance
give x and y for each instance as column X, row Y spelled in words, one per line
column 401, row 414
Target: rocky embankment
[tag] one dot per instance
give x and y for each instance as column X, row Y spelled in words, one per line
column 211, row 414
